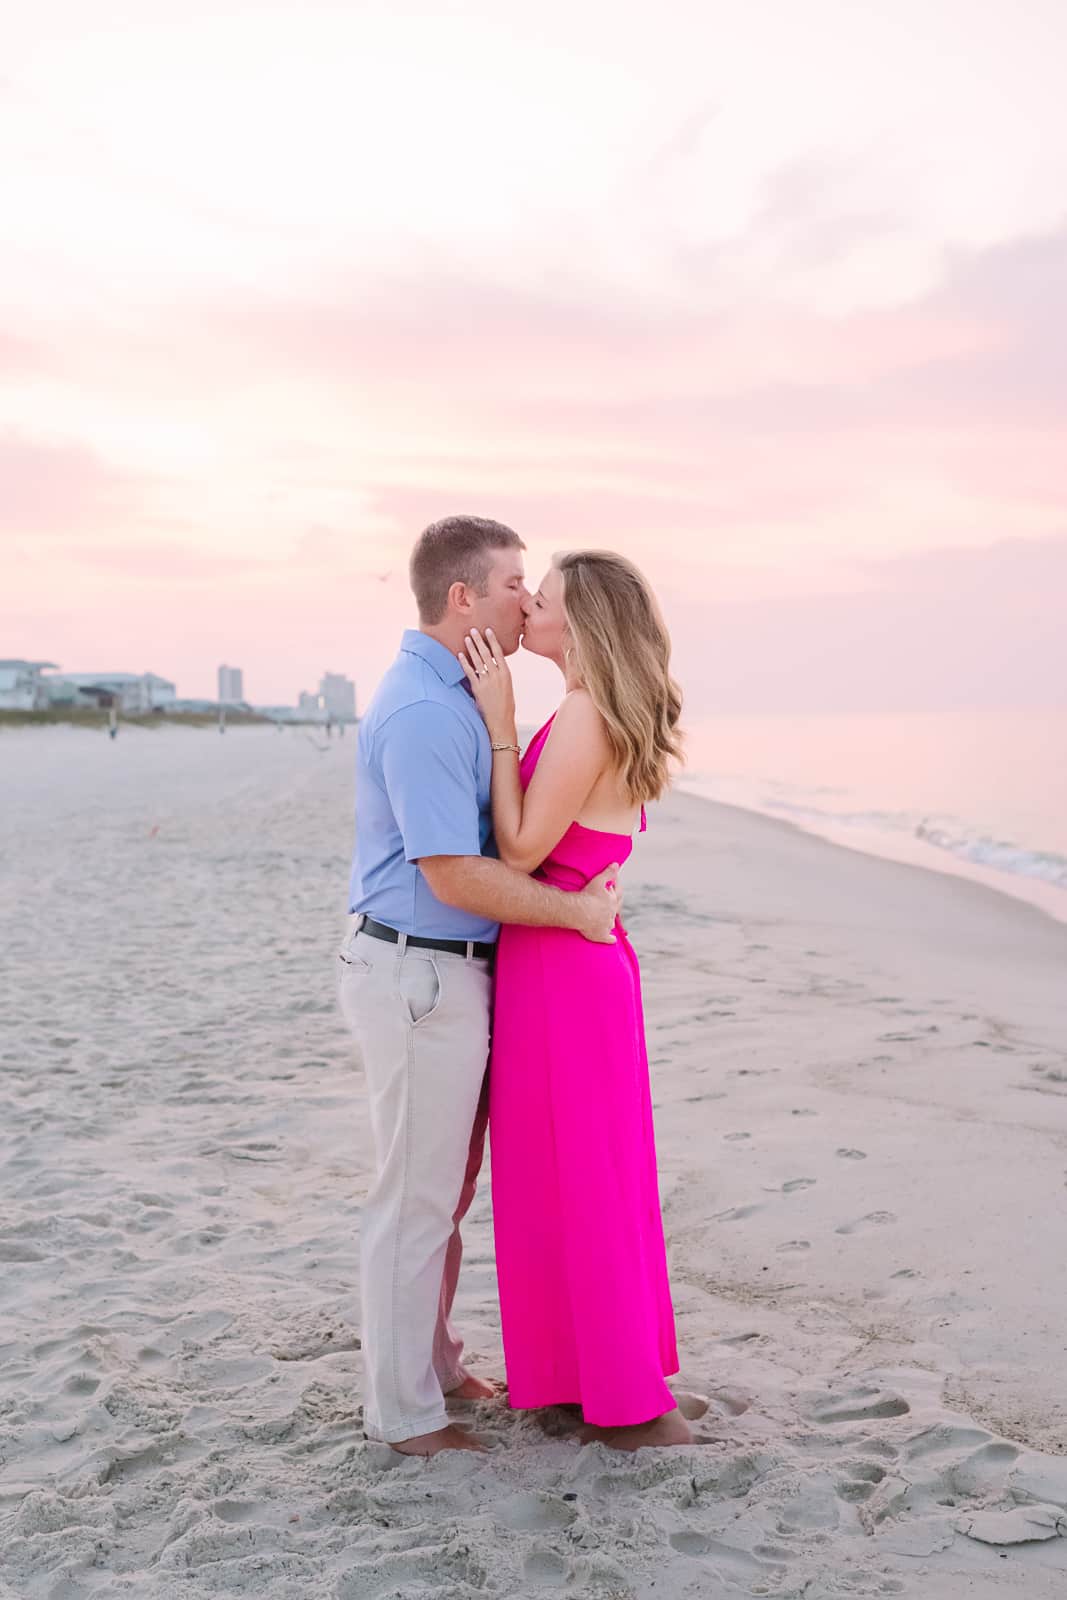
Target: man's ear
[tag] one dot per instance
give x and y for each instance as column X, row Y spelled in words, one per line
column 459, row 597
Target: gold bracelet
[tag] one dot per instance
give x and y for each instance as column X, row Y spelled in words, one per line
column 506, row 747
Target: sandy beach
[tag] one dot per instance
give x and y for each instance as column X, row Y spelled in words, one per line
column 860, row 1078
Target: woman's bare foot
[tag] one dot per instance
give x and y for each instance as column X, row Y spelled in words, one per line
column 671, row 1428
column 431, row 1444
column 475, row 1389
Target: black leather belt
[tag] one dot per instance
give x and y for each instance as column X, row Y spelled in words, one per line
column 455, row 947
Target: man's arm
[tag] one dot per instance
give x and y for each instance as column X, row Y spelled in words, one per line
column 490, row 889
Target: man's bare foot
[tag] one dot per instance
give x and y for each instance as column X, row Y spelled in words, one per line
column 671, row 1428
column 475, row 1389
column 431, row 1444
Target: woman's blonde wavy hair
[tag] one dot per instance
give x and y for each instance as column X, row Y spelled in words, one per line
column 622, row 652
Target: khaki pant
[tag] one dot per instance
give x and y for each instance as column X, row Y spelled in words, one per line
column 421, row 1020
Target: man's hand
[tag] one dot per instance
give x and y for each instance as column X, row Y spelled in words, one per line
column 598, row 905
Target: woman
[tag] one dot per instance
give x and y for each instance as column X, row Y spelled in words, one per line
column 584, row 1297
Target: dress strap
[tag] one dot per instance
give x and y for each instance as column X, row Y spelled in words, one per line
column 644, row 822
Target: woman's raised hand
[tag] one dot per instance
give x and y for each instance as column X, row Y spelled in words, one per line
column 490, row 679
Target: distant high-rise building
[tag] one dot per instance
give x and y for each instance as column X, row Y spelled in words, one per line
column 338, row 695
column 231, row 686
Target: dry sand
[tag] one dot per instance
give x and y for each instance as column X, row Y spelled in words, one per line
column 860, row 1071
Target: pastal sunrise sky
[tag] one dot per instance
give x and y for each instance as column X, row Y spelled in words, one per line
column 771, row 297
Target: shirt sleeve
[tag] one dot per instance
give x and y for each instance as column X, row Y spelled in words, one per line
column 429, row 767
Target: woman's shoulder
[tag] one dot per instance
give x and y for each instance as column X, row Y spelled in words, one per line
column 577, row 714
column 578, row 727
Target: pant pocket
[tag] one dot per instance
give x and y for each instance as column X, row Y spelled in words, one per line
column 349, row 959
column 419, row 982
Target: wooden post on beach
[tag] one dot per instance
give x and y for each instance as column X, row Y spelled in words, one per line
column 222, row 719
column 113, row 722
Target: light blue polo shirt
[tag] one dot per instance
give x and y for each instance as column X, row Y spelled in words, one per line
column 423, row 771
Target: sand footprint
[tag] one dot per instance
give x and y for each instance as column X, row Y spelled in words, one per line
column 942, row 1437
column 690, row 1543
column 737, row 1213
column 852, row 1155
column 734, row 1402
column 860, row 1481
column 236, row 1510
column 534, row 1513
column 793, row 1245
column 874, row 1218
column 546, row 1569
column 859, row 1405
column 728, row 1561
column 880, row 1448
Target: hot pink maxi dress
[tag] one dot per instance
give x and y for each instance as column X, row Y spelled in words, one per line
column 585, row 1301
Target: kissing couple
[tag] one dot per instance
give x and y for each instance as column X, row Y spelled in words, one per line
column 485, row 905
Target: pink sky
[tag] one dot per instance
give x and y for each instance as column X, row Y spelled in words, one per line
column 772, row 298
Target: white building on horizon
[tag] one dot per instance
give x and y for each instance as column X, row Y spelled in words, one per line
column 134, row 692
column 338, row 696
column 334, row 702
column 22, row 687
column 310, row 707
column 231, row 686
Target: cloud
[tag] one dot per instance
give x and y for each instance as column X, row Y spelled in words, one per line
column 58, row 488
column 983, row 348
column 683, row 141
column 939, row 630
column 20, row 356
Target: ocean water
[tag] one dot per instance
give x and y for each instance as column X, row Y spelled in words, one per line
column 981, row 794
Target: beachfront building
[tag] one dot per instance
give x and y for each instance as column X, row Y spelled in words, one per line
column 334, row 702
column 310, row 707
column 338, row 696
column 231, row 686
column 61, row 692
column 22, row 687
column 132, row 692
column 279, row 713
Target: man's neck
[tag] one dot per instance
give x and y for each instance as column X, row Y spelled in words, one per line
column 450, row 636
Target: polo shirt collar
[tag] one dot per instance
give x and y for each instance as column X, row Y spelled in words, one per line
column 441, row 659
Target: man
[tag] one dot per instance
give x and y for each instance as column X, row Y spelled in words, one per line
column 428, row 898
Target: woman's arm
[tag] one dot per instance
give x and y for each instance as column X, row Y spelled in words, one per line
column 575, row 755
